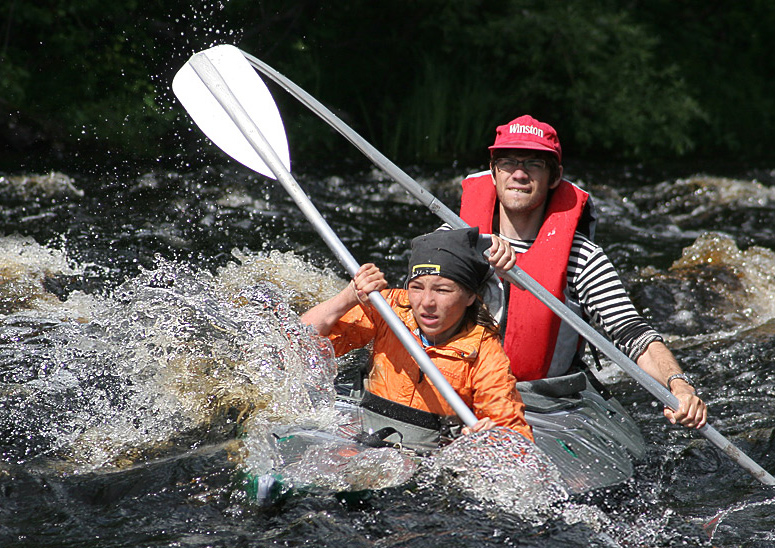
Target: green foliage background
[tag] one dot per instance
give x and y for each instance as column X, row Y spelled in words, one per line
column 425, row 81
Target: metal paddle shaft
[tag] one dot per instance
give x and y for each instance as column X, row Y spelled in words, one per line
column 216, row 84
column 516, row 275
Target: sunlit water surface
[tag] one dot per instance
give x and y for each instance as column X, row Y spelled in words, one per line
column 151, row 344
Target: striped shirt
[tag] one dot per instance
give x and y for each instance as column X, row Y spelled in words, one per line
column 594, row 283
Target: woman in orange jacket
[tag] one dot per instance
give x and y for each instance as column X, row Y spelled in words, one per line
column 441, row 307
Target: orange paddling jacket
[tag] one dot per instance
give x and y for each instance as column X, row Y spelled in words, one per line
column 473, row 362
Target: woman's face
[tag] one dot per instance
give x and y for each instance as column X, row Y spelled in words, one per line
column 438, row 305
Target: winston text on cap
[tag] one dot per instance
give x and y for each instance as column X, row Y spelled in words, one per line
column 519, row 128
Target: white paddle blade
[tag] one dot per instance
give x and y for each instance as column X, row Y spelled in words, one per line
column 215, row 122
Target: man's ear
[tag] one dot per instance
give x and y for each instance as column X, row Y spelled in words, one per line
column 556, row 182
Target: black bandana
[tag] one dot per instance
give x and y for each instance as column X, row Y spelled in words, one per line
column 451, row 254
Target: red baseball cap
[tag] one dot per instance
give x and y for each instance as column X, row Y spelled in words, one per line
column 528, row 133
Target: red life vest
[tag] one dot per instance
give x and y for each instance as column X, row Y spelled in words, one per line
column 531, row 328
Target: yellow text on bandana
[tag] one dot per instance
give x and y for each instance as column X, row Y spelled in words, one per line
column 425, row 270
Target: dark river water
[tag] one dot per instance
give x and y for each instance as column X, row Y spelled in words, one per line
column 150, row 342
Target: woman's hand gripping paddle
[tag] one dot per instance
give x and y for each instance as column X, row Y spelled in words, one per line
column 233, row 107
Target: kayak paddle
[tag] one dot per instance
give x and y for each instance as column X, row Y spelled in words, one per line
column 223, row 95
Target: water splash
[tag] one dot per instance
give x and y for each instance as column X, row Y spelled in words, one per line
column 168, row 360
column 687, row 200
column 25, row 268
column 714, row 288
column 501, row 467
column 749, row 301
column 299, row 284
column 502, row 470
column 38, row 188
column 324, row 464
column 725, row 526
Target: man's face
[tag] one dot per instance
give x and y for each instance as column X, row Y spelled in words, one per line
column 522, row 181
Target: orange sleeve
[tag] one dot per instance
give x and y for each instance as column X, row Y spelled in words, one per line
column 494, row 389
column 357, row 327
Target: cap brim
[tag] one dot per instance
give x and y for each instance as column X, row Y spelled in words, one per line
column 526, row 146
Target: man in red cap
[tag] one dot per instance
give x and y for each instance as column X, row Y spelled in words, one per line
column 545, row 225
